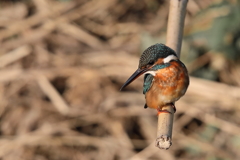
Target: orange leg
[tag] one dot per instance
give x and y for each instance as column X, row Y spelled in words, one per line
column 162, row 111
column 166, row 111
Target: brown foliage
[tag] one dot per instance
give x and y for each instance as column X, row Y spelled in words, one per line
column 62, row 64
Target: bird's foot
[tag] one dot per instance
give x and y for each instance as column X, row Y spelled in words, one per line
column 166, row 111
column 162, row 111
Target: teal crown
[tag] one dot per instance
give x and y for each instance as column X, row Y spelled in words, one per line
column 153, row 53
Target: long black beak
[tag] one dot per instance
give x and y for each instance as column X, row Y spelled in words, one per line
column 134, row 76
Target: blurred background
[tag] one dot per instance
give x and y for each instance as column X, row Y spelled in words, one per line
column 62, row 63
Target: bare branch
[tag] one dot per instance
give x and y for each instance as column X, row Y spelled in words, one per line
column 174, row 40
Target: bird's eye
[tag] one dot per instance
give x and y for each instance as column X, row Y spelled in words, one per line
column 151, row 63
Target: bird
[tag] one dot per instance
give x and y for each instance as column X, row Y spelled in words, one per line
column 166, row 78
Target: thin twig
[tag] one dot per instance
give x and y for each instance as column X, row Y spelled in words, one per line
column 174, row 40
column 51, row 92
column 14, row 55
column 81, row 35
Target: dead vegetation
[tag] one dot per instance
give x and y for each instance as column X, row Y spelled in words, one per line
column 61, row 67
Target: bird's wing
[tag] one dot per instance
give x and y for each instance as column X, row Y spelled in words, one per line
column 148, row 78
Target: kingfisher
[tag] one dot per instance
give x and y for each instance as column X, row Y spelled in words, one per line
column 165, row 77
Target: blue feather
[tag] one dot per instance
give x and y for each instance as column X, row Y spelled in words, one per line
column 148, row 78
column 157, row 67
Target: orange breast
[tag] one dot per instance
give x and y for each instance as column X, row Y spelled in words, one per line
column 169, row 85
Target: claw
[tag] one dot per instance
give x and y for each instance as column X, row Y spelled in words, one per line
column 145, row 106
column 174, row 108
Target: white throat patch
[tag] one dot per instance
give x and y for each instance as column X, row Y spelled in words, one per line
column 169, row 58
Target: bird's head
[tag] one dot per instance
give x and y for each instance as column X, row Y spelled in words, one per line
column 153, row 58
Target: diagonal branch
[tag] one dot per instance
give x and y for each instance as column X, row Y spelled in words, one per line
column 174, row 40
